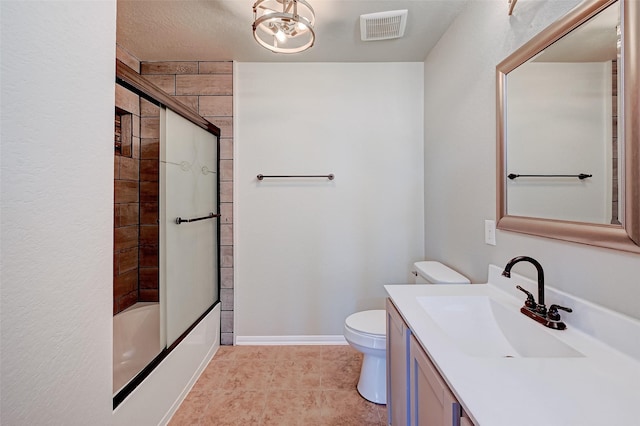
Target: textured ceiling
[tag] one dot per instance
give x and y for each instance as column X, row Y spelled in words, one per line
column 213, row 30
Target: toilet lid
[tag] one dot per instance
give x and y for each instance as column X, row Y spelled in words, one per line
column 436, row 272
column 371, row 322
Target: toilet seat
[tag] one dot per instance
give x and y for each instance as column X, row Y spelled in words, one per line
column 367, row 329
column 368, row 322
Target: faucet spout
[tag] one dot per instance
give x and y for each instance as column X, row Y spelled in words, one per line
column 512, row 262
column 537, row 311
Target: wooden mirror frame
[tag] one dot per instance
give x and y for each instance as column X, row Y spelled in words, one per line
column 627, row 236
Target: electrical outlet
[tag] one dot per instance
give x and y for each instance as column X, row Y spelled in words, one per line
column 490, row 232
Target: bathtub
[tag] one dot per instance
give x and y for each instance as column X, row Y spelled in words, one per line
column 136, row 341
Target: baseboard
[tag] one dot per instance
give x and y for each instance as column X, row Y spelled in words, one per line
column 290, row 340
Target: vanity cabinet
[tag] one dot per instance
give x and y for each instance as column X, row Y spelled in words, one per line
column 398, row 334
column 416, row 393
column 432, row 402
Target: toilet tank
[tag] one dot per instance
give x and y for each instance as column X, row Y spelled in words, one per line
column 431, row 272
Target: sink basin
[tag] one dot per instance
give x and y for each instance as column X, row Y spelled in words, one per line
column 483, row 327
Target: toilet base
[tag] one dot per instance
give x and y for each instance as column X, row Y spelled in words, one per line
column 372, row 385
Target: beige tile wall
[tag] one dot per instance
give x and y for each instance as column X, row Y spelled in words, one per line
column 207, row 88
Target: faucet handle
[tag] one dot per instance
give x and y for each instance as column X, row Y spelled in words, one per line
column 531, row 301
column 553, row 314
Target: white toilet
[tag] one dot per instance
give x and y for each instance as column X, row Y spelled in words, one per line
column 366, row 332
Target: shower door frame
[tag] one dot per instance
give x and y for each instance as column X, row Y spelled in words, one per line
column 133, row 81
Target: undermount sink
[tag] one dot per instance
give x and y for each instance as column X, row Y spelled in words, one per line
column 483, row 327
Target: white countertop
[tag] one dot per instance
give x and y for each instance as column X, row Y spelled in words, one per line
column 600, row 388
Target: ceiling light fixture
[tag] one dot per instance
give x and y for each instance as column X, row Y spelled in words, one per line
column 284, row 26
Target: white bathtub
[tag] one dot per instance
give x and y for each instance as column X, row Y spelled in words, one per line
column 136, row 341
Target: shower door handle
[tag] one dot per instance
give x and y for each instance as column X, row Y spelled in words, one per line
column 180, row 220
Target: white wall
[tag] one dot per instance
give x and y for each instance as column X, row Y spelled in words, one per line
column 460, row 126
column 311, row 252
column 560, row 122
column 57, row 212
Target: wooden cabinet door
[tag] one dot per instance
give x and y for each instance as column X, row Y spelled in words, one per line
column 397, row 367
column 432, row 403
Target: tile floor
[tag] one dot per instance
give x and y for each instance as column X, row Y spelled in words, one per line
column 280, row 385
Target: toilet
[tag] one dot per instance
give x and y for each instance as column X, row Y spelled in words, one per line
column 366, row 332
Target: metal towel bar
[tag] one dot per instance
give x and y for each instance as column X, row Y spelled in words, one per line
column 330, row 176
column 580, row 176
column 180, row 220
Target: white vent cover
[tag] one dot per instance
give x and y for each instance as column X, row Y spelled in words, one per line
column 383, row 25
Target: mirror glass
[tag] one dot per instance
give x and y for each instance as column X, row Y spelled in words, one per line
column 563, row 159
column 568, row 137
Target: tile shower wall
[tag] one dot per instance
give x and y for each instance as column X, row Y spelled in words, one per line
column 207, row 88
column 149, row 152
column 136, row 179
column 126, row 200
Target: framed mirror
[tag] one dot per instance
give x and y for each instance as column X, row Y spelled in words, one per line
column 568, row 129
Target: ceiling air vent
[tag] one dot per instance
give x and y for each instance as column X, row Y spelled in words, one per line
column 383, row 25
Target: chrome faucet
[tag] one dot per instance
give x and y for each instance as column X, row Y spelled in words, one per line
column 537, row 310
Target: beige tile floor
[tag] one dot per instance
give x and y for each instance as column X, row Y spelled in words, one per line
column 280, row 385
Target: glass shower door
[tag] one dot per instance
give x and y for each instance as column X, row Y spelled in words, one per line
column 188, row 223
